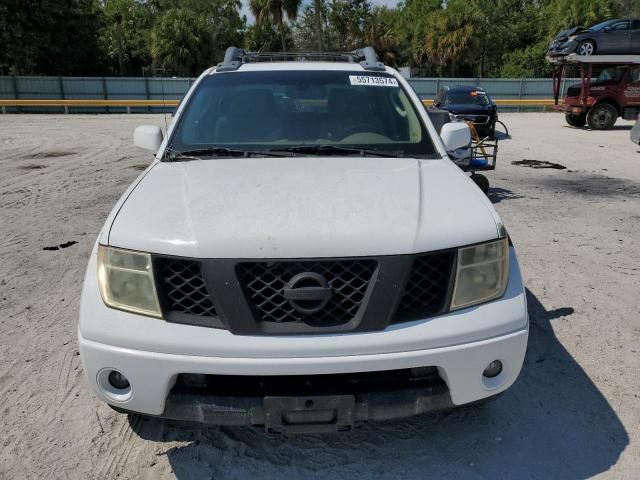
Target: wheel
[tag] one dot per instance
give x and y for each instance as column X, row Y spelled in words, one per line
column 576, row 120
column 492, row 131
column 588, row 47
column 602, row 116
column 482, row 182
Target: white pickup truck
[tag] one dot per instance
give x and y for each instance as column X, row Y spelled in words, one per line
column 301, row 255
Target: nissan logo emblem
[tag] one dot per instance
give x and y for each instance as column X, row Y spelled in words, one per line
column 308, row 292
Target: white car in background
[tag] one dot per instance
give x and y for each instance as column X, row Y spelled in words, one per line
column 301, row 255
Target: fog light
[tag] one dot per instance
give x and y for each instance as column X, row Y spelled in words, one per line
column 118, row 380
column 493, row 369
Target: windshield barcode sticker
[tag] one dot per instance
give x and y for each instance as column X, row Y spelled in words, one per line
column 369, row 80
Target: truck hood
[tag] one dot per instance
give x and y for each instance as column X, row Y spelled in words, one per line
column 565, row 34
column 302, row 207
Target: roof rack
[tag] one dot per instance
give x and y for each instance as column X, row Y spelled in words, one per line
column 234, row 58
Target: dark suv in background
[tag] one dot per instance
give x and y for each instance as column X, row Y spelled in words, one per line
column 620, row 36
column 469, row 104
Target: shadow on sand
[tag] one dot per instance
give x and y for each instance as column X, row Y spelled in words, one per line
column 553, row 423
column 497, row 195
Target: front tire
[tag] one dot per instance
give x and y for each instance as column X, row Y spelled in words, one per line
column 576, row 120
column 482, row 182
column 602, row 116
column 588, row 47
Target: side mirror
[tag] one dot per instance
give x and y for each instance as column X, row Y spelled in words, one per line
column 148, row 137
column 607, row 29
column 455, row 135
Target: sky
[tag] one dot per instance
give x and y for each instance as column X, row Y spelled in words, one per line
column 250, row 19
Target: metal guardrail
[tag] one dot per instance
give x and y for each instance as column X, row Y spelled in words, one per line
column 128, row 104
column 142, row 94
column 86, row 103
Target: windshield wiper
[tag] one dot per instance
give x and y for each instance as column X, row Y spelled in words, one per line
column 197, row 154
column 337, row 150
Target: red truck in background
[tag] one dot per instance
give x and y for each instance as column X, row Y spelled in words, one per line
column 599, row 101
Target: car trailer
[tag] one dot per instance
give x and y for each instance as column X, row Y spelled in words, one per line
column 598, row 102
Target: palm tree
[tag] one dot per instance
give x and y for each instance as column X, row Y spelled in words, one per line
column 275, row 10
column 318, row 11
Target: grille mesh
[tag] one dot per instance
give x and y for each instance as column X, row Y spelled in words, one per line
column 263, row 284
column 183, row 288
column 427, row 289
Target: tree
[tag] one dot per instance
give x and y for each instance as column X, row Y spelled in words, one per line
column 264, row 37
column 125, row 37
column 379, row 33
column 275, row 11
column 563, row 14
column 347, row 20
column 50, row 37
column 450, row 37
column 189, row 38
column 526, row 63
column 410, row 29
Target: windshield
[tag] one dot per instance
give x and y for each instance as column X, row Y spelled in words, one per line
column 467, row 98
column 612, row 74
column 601, row 26
column 282, row 110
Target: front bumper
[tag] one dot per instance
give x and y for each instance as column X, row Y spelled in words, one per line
column 558, row 49
column 152, row 375
column 152, row 353
column 572, row 109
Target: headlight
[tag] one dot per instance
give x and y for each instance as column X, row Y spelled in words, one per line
column 452, row 117
column 572, row 38
column 126, row 281
column 481, row 274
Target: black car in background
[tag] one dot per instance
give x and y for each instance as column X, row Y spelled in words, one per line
column 620, row 36
column 470, row 104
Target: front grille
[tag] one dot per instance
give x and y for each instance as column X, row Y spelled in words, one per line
column 181, row 287
column 427, row 290
column 473, row 118
column 263, row 284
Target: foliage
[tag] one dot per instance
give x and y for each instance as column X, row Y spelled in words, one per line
column 124, row 37
column 264, row 37
column 275, row 11
column 526, row 63
column 50, row 37
column 481, row 38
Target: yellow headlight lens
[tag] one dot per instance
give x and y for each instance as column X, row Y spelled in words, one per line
column 482, row 273
column 126, row 281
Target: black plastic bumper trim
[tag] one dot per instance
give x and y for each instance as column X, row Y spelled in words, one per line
column 251, row 411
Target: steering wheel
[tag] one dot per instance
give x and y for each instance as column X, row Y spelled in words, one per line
column 357, row 128
column 397, row 105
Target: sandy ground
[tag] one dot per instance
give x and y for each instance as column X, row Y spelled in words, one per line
column 574, row 413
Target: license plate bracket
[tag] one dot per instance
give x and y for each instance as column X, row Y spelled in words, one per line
column 313, row 414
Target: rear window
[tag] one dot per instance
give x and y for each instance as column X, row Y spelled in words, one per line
column 263, row 110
